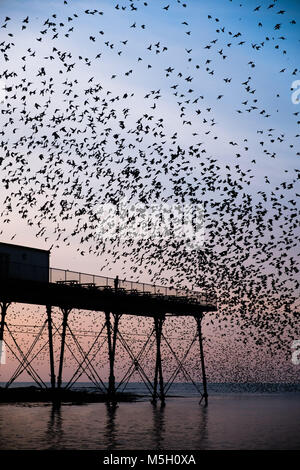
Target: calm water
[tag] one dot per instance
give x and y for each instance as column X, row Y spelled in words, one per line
column 236, row 418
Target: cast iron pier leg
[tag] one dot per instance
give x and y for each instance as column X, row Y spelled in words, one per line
column 205, row 395
column 65, row 312
column 4, row 306
column 51, row 355
column 112, row 340
column 158, row 323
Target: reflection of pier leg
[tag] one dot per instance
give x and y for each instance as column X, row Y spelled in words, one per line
column 205, row 395
column 158, row 323
column 154, row 396
column 112, row 340
column 110, row 428
column 51, row 355
column 3, row 306
column 65, row 312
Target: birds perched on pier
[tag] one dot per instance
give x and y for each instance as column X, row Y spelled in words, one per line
column 81, row 129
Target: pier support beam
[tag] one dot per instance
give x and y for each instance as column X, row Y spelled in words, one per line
column 51, row 354
column 112, row 331
column 65, row 312
column 204, row 395
column 3, row 307
column 158, row 376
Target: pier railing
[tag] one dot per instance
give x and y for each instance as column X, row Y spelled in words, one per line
column 64, row 276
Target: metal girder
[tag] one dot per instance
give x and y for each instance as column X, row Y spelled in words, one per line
column 4, row 306
column 86, row 363
column 25, row 364
column 65, row 312
column 136, row 363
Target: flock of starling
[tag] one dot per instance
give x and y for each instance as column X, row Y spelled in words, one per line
column 77, row 132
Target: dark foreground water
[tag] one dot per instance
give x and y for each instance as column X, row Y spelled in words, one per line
column 238, row 417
